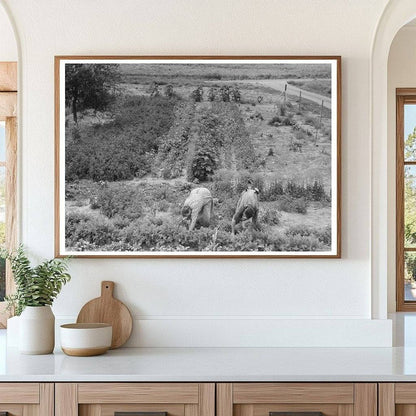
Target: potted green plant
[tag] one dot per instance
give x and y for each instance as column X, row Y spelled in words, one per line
column 36, row 289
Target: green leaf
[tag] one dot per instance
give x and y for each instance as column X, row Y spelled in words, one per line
column 35, row 286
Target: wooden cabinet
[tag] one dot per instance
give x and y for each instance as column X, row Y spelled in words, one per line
column 208, row 399
column 27, row 399
column 297, row 399
column 106, row 399
column 397, row 399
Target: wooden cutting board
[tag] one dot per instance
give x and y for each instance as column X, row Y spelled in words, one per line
column 107, row 309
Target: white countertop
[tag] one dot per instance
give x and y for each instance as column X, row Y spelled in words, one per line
column 213, row 364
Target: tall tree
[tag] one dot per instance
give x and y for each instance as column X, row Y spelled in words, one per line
column 410, row 146
column 90, row 86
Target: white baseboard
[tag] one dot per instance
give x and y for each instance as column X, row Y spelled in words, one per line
column 254, row 332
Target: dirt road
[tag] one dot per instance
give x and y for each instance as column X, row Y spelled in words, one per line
column 279, row 85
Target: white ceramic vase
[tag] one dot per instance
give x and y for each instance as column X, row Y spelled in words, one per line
column 37, row 330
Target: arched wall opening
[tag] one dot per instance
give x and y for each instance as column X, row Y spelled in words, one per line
column 401, row 73
column 8, row 44
column 397, row 14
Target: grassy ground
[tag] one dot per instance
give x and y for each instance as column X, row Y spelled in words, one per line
column 320, row 86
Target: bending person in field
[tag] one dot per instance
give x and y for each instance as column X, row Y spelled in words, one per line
column 247, row 207
column 198, row 208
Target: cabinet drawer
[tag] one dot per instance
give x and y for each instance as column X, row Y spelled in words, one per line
column 153, row 399
column 22, row 399
column 397, row 399
column 297, row 399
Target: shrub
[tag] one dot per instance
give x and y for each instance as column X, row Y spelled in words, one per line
column 123, row 148
column 173, row 146
column 257, row 116
column 270, row 217
column 298, row 205
column 94, row 230
column 122, row 200
column 162, row 205
column 223, row 188
column 274, row 191
column 295, row 190
column 300, row 135
column 307, row 238
column 316, row 192
column 275, row 121
column 302, row 243
column 288, row 121
column 203, row 166
column 197, row 94
column 295, row 146
column 310, row 120
column 323, row 235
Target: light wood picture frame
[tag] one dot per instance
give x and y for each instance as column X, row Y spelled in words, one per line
column 198, row 156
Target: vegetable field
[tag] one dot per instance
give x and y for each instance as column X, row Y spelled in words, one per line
column 166, row 129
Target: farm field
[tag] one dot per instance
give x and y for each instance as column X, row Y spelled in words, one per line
column 130, row 167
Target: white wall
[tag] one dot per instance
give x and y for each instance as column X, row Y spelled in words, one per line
column 401, row 74
column 183, row 300
column 8, row 47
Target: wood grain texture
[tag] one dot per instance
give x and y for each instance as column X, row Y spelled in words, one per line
column 365, row 399
column 57, row 155
column 252, row 393
column 245, row 410
column 224, row 399
column 264, row 409
column 405, row 410
column 66, row 399
column 11, row 206
column 386, row 399
column 8, row 76
column 171, row 409
column 8, row 105
column 339, row 157
column 27, row 393
column 31, row 410
column 207, row 399
column 11, row 195
column 400, row 304
column 191, row 410
column 403, row 96
column 59, row 58
column 405, row 91
column 13, row 409
column 107, row 309
column 345, row 410
column 138, row 393
column 90, row 410
column 405, row 393
column 47, row 399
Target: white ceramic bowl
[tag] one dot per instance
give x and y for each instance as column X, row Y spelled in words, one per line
column 83, row 340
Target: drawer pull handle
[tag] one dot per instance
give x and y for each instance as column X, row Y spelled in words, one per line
column 139, row 414
column 296, row 414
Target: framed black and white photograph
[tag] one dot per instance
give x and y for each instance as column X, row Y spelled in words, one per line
column 198, row 156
